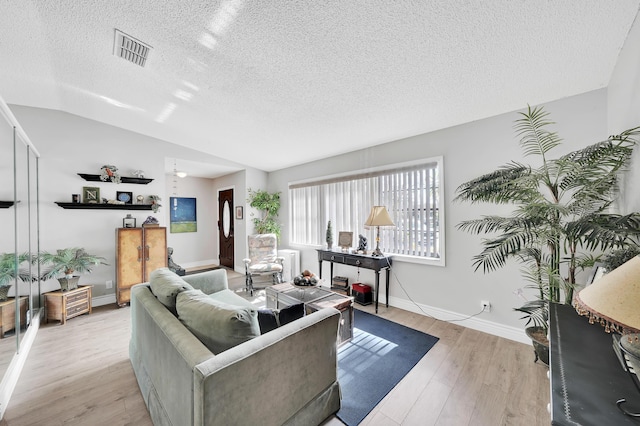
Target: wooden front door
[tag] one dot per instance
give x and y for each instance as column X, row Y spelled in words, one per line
column 225, row 227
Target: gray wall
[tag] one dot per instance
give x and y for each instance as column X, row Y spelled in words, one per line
column 70, row 144
column 469, row 150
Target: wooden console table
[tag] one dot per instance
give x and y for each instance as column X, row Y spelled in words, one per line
column 376, row 263
column 62, row 305
column 586, row 376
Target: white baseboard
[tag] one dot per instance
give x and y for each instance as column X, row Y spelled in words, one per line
column 107, row 299
column 11, row 376
column 200, row 263
column 475, row 323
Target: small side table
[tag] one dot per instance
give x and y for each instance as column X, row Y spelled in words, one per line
column 63, row 305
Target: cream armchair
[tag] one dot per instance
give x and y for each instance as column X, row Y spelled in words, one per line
column 263, row 260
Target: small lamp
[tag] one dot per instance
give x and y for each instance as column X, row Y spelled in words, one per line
column 614, row 299
column 378, row 217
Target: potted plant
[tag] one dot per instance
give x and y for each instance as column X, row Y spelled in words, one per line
column 561, row 218
column 269, row 205
column 67, row 261
column 9, row 267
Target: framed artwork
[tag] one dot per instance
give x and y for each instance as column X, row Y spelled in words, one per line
column 125, row 197
column 345, row 239
column 182, row 216
column 239, row 212
column 90, row 195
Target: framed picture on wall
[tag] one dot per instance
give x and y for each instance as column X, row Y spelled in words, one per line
column 182, row 215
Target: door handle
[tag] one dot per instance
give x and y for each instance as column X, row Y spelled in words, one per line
column 139, row 254
column 146, row 252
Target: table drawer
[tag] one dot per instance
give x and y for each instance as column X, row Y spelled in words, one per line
column 77, row 296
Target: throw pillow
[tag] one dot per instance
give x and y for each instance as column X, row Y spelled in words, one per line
column 219, row 326
column 270, row 319
column 166, row 285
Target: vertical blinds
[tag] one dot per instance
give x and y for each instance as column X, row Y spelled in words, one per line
column 410, row 195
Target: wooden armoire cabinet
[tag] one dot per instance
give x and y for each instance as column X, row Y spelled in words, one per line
column 139, row 251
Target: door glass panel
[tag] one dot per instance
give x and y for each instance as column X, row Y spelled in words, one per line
column 226, row 219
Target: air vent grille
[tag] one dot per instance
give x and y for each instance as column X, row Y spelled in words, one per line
column 130, row 49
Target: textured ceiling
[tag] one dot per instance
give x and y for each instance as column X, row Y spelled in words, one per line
column 274, row 83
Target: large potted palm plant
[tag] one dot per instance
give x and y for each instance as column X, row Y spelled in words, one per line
column 561, row 218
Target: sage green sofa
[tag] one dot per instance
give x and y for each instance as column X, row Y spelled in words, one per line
column 287, row 376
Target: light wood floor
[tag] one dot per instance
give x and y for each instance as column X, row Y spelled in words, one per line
column 80, row 374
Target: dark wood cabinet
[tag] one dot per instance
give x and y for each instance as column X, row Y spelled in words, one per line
column 586, row 376
column 139, row 251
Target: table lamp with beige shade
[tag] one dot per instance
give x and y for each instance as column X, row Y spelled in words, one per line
column 614, row 301
column 379, row 216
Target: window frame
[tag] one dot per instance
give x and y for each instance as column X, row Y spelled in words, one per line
column 391, row 168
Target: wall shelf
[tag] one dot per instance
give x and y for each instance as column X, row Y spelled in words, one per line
column 103, row 206
column 5, row 204
column 124, row 179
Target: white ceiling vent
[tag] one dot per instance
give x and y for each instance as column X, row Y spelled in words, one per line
column 131, row 49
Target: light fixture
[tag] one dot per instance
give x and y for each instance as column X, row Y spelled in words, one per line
column 181, row 174
column 614, row 299
column 378, row 217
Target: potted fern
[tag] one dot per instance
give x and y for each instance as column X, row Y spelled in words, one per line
column 66, row 262
column 561, row 219
column 269, row 205
column 11, row 266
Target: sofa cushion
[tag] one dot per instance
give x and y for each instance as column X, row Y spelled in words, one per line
column 219, row 326
column 166, row 285
column 270, row 319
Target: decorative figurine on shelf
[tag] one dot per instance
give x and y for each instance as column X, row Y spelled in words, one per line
column 109, row 172
column 362, row 244
column 150, row 221
column 173, row 266
column 138, row 173
column 307, row 278
column 140, row 199
column 155, row 203
column 329, row 236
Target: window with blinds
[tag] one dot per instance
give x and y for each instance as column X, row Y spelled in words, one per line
column 411, row 193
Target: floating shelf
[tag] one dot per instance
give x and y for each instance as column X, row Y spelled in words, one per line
column 5, row 204
column 96, row 178
column 103, row 206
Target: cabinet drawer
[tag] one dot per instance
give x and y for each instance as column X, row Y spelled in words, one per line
column 77, row 309
column 77, row 296
column 337, row 258
column 363, row 262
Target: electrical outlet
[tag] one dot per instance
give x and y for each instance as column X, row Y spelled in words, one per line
column 109, row 283
column 486, row 306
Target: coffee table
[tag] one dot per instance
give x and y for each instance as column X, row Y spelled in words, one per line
column 314, row 298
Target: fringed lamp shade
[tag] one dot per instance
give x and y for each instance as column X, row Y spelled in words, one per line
column 614, row 299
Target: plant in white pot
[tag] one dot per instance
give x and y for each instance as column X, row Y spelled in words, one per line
column 561, row 219
column 66, row 262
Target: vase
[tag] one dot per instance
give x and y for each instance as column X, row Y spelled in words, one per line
column 4, row 292
column 67, row 284
column 540, row 343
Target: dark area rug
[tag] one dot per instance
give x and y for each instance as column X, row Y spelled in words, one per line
column 380, row 354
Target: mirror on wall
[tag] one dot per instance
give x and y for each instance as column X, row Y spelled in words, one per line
column 19, row 235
